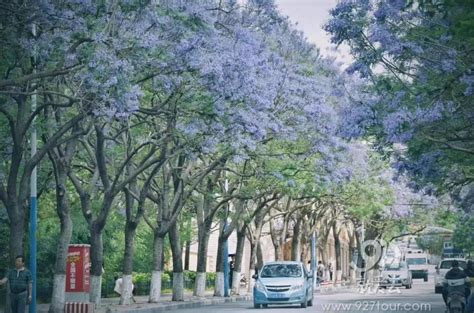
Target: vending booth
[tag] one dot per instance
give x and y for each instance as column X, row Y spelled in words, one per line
column 78, row 278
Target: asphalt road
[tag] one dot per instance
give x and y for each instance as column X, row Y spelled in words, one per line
column 421, row 298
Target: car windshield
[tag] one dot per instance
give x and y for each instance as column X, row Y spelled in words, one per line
column 416, row 261
column 394, row 267
column 281, row 270
column 449, row 263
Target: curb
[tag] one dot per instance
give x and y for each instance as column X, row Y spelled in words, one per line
column 333, row 289
column 169, row 306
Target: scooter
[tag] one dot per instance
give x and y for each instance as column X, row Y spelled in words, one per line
column 456, row 302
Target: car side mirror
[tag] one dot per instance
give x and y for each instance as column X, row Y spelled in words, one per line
column 255, row 276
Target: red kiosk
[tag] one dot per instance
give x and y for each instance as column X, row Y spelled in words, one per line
column 78, row 279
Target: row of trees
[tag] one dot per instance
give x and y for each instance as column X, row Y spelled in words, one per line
column 167, row 111
column 416, row 57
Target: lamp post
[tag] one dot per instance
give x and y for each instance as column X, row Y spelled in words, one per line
column 226, row 247
column 33, row 195
column 314, row 257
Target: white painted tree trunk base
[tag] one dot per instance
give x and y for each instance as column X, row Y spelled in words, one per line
column 251, row 283
column 235, row 283
column 127, row 290
column 219, row 285
column 155, row 287
column 178, row 287
column 95, row 293
column 200, row 285
column 59, row 293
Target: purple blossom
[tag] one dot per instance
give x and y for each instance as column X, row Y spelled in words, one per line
column 445, row 38
column 397, row 4
column 413, row 47
column 381, row 13
column 448, row 65
column 468, row 80
column 359, row 67
column 395, row 124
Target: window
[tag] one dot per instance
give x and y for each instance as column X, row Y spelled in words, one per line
column 416, row 261
column 281, row 270
column 449, row 263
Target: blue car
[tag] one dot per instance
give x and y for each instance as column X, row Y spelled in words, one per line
column 284, row 282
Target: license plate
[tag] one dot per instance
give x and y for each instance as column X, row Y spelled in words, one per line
column 276, row 295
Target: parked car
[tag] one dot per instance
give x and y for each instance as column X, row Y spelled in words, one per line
column 283, row 282
column 396, row 274
column 442, row 268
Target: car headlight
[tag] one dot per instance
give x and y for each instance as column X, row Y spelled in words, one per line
column 297, row 287
column 259, row 286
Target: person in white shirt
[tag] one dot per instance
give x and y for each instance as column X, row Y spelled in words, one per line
column 118, row 288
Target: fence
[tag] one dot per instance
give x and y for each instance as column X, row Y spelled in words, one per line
column 44, row 289
column 142, row 288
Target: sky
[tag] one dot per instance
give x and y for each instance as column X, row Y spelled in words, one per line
column 310, row 16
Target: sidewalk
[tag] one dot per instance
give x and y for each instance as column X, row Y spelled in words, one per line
column 331, row 287
column 110, row 305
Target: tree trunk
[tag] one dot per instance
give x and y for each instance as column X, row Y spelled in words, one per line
column 239, row 254
column 155, row 284
column 278, row 251
column 352, row 250
column 17, row 230
column 254, row 240
column 295, row 242
column 177, row 252
column 127, row 293
column 203, row 243
column 259, row 255
column 61, row 165
column 96, row 260
column 337, row 248
column 253, row 265
column 187, row 255
column 220, row 279
column 277, row 242
column 63, row 210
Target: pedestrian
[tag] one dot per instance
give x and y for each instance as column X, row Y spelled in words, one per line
column 20, row 282
column 118, row 288
column 331, row 271
column 320, row 271
column 231, row 269
column 470, row 273
column 118, row 285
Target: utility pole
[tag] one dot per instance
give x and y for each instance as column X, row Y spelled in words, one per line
column 226, row 246
column 314, row 258
column 33, row 192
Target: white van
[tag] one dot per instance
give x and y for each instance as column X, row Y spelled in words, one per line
column 418, row 264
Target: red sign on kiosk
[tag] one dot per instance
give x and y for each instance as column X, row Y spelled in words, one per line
column 78, row 268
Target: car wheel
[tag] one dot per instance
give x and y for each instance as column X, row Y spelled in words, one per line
column 265, row 305
column 407, row 286
column 304, row 304
column 425, row 278
column 310, row 302
column 256, row 306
